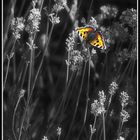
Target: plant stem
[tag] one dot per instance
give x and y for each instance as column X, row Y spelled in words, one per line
column 87, row 96
column 24, row 74
column 67, row 77
column 93, row 128
column 8, row 64
column 123, row 74
column 30, row 90
column 14, row 66
column 120, row 128
column 5, row 79
column 58, row 137
column 7, row 23
column 39, row 68
column 61, row 108
column 29, row 85
column 77, row 103
column 104, row 127
column 13, row 120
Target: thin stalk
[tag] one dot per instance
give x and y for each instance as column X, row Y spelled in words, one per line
column 24, row 74
column 67, row 77
column 13, row 120
column 61, row 106
column 30, row 69
column 41, row 5
column 8, row 64
column 39, row 68
column 29, row 80
column 29, row 88
column 74, row 83
column 77, row 103
column 58, row 138
column 7, row 70
column 109, row 102
column 8, row 20
column 93, row 128
column 104, row 130
column 21, row 8
column 133, row 66
column 30, row 91
column 120, row 128
column 122, row 76
column 65, row 94
column 21, row 127
column 14, row 66
column 89, row 14
column 87, row 96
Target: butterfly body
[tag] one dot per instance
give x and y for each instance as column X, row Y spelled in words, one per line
column 92, row 36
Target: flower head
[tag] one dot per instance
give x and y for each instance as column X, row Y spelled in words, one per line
column 17, row 25
column 102, row 97
column 124, row 99
column 57, row 7
column 121, row 138
column 33, row 21
column 129, row 17
column 54, row 18
column 44, row 138
column 124, row 116
column 109, row 11
column 75, row 60
column 113, row 87
column 97, row 107
column 70, row 41
column 59, row 131
column 93, row 23
column 22, row 92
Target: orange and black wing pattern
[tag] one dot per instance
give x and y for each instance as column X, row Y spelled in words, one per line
column 83, row 31
column 98, row 41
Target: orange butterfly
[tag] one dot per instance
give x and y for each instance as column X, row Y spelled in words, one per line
column 90, row 35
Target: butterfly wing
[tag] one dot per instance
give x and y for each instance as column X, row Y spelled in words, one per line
column 98, row 41
column 83, row 31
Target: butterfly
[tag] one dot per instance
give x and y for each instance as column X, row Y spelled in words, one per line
column 92, row 36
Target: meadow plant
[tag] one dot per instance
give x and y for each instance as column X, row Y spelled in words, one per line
column 55, row 75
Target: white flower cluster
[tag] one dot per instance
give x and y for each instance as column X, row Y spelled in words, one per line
column 124, row 102
column 59, row 131
column 124, row 99
column 97, row 107
column 45, row 138
column 121, row 138
column 109, row 11
column 17, row 25
column 54, row 18
column 93, row 23
column 70, row 41
column 112, row 88
column 33, row 21
column 129, row 17
column 124, row 116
